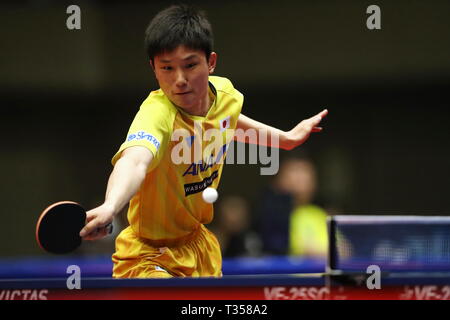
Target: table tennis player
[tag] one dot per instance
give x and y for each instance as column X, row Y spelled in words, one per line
column 166, row 236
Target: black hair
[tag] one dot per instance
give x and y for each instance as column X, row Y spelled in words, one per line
column 178, row 25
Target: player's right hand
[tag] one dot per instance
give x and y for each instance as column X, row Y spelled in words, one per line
column 97, row 221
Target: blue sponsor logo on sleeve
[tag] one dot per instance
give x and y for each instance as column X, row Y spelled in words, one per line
column 144, row 135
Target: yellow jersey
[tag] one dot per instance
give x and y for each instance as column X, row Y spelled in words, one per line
column 308, row 231
column 188, row 157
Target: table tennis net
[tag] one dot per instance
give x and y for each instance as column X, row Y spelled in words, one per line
column 394, row 243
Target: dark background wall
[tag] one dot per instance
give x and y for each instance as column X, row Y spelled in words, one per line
column 67, row 99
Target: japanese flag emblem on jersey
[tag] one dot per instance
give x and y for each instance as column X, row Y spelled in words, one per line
column 224, row 124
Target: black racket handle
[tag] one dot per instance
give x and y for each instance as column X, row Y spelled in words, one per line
column 109, row 228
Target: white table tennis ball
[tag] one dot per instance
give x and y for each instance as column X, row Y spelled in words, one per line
column 210, row 195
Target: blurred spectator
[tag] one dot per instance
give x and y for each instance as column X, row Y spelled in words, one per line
column 290, row 222
column 232, row 228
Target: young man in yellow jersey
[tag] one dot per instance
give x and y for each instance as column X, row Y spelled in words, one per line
column 158, row 170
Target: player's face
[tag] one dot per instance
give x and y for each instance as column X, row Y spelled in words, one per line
column 183, row 76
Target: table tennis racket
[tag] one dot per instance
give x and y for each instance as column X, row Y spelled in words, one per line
column 59, row 225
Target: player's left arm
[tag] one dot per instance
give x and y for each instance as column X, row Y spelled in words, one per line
column 288, row 140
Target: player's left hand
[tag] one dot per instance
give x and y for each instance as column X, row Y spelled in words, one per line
column 300, row 133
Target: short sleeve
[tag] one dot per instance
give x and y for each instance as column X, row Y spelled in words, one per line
column 150, row 129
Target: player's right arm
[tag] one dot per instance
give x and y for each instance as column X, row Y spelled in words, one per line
column 125, row 180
